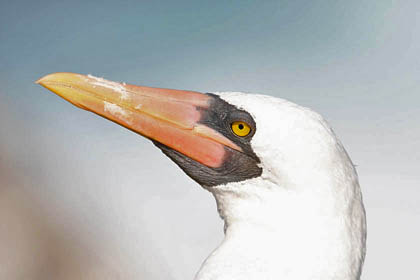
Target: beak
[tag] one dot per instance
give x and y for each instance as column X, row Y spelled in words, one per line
column 170, row 117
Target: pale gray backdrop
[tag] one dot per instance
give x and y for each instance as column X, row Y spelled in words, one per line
column 82, row 198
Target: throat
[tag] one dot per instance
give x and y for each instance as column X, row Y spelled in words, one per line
column 277, row 234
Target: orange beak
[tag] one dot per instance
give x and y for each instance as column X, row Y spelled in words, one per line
column 170, row 117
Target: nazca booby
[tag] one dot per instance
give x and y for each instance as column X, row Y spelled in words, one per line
column 284, row 185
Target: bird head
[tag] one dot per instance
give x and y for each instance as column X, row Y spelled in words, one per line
column 203, row 134
column 223, row 141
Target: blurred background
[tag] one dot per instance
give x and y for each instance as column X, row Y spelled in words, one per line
column 83, row 198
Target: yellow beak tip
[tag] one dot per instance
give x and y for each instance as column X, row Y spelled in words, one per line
column 43, row 79
column 56, row 78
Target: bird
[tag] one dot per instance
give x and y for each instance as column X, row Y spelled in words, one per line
column 284, row 185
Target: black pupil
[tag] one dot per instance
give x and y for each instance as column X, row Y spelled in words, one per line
column 241, row 126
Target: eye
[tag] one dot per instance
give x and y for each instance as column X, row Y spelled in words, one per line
column 241, row 128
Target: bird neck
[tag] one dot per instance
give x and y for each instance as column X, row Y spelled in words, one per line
column 275, row 233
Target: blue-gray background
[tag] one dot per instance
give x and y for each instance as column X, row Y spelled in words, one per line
column 82, row 198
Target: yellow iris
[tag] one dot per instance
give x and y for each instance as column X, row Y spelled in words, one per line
column 241, row 128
